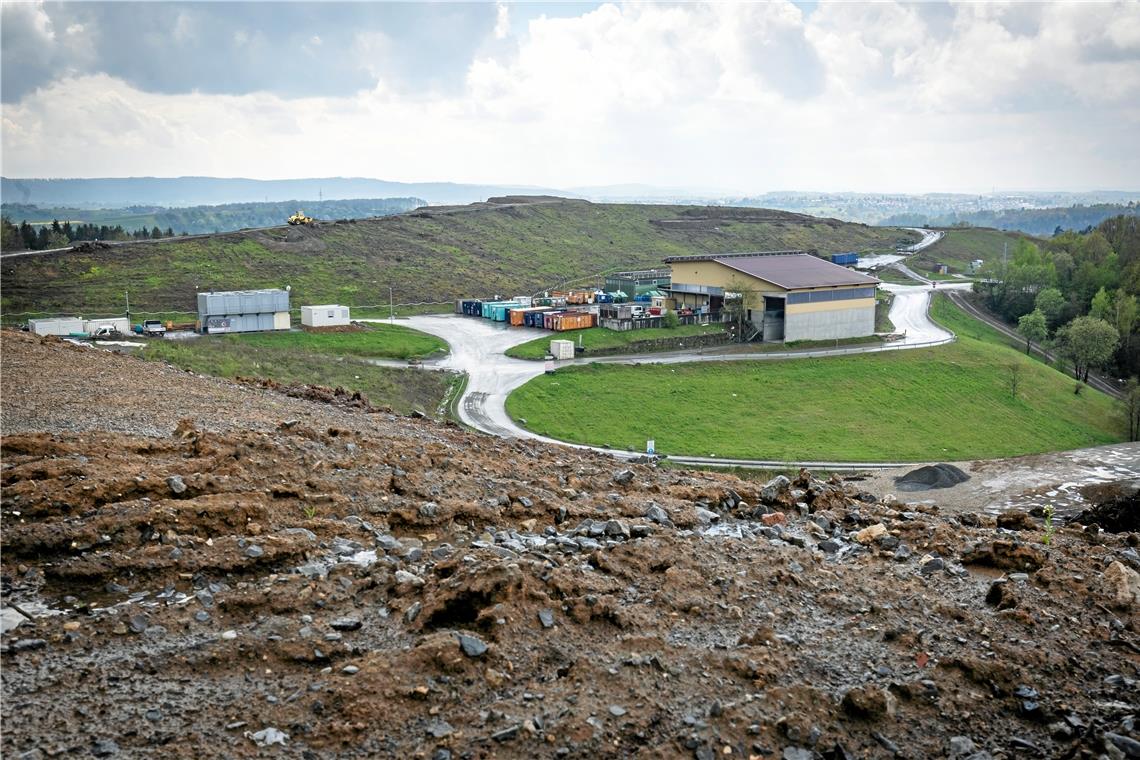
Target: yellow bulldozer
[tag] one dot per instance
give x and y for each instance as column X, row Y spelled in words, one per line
column 300, row 218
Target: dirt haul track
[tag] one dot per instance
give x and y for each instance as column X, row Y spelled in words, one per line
column 334, row 582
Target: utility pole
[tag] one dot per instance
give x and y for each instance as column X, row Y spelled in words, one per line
column 391, row 307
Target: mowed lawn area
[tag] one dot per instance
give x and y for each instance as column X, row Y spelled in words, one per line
column 377, row 341
column 950, row 402
column 327, row 358
column 597, row 339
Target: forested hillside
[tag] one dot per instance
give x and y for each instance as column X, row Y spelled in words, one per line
column 1077, row 289
column 1034, row 221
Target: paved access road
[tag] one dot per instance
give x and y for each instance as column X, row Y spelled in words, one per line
column 478, row 346
column 929, row 238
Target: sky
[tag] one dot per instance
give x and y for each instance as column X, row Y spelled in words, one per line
column 720, row 97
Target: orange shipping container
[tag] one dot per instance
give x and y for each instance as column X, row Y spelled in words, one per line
column 573, row 321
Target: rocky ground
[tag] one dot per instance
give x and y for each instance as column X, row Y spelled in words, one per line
column 202, row 569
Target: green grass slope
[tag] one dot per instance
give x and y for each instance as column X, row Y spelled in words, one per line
column 379, row 341
column 595, row 339
column 437, row 254
column 329, row 359
column 945, row 403
column 959, row 246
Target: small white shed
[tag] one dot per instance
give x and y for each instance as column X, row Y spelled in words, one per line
column 562, row 349
column 324, row 316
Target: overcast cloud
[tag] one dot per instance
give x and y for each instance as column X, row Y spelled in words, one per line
column 743, row 97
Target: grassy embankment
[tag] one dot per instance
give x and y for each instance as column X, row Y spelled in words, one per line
column 945, row 403
column 883, row 301
column 597, row 340
column 436, row 254
column 959, row 246
column 330, row 359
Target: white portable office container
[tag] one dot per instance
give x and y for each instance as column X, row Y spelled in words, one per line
column 324, row 316
column 56, row 326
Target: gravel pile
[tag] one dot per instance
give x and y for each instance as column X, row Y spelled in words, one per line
column 931, row 476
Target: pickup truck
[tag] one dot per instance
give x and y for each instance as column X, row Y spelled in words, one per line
column 151, row 327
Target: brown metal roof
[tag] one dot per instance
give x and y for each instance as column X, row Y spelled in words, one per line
column 794, row 271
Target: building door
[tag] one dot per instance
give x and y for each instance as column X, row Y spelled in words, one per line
column 773, row 319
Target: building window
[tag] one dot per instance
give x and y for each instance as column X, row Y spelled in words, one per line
column 821, row 296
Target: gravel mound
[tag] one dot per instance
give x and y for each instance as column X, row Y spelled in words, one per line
column 931, row 476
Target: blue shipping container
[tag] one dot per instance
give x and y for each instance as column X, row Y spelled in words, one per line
column 845, row 259
column 534, row 318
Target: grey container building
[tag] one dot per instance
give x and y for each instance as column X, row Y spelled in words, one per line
column 243, row 311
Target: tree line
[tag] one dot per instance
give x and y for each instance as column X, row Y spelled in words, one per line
column 1034, row 221
column 39, row 237
column 205, row 219
column 1078, row 293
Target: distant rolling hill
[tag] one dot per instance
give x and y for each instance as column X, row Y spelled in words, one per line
column 116, row 192
column 509, row 246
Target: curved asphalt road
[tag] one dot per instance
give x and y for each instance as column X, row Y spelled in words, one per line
column 478, row 347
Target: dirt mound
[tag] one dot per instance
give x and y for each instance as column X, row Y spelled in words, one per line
column 1117, row 509
column 349, row 584
column 931, row 476
column 517, row 200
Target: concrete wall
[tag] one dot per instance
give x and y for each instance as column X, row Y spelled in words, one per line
column 829, row 324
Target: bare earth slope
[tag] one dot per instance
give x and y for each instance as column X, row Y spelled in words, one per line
column 373, row 586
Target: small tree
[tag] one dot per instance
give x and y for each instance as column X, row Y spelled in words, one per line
column 1051, row 303
column 1127, row 312
column 1101, row 307
column 670, row 319
column 1130, row 406
column 1032, row 327
column 1013, row 378
column 1088, row 342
